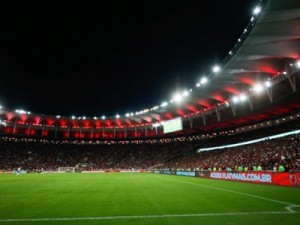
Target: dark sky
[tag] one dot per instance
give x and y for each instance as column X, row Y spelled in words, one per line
column 114, row 56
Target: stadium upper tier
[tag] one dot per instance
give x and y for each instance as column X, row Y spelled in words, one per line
column 257, row 81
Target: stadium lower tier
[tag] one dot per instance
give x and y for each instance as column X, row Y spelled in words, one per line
column 282, row 154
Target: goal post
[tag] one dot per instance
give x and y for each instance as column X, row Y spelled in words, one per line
column 66, row 169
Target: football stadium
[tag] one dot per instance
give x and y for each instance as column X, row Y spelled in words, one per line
column 225, row 151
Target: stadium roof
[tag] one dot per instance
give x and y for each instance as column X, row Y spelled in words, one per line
column 263, row 60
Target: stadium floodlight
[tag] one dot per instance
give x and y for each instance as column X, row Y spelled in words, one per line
column 164, row 104
column 103, row 117
column 177, row 98
column 21, row 111
column 198, row 85
column 95, row 118
column 83, row 117
column 127, row 114
column 203, row 80
column 117, row 116
column 243, row 97
column 131, row 114
column 156, row 125
column 298, row 63
column 73, row 117
column 216, row 69
column 235, row 99
column 185, row 93
column 58, row 116
column 0, row 106
column 256, row 10
column 258, row 88
column 268, row 83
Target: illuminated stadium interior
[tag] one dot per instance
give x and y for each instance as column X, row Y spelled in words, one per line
column 225, row 151
column 256, row 81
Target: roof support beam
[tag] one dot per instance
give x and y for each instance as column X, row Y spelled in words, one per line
column 292, row 80
column 56, row 127
column 270, row 94
column 29, row 127
column 15, row 126
column 250, row 101
column 218, row 113
column 43, row 128
column 191, row 122
column 203, row 118
column 233, row 109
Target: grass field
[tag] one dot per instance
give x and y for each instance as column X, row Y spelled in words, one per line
column 137, row 198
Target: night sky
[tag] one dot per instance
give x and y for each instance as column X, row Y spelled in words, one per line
column 114, row 56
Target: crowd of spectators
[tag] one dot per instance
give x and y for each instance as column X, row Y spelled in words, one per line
column 267, row 155
column 39, row 155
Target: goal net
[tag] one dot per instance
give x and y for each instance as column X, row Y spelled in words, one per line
column 66, row 169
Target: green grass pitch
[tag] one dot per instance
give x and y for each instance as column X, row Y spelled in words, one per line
column 140, row 198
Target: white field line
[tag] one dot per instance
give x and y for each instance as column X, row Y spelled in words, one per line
column 142, row 216
column 235, row 192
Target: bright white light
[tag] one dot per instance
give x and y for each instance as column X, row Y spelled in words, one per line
column 185, row 93
column 258, row 88
column 256, row 10
column 268, row 83
column 83, row 117
column 131, row 114
column 28, row 112
column 73, row 117
column 216, row 69
column 127, row 114
column 21, row 111
column 230, row 52
column 117, row 116
column 203, row 80
column 235, row 99
column 164, row 104
column 177, row 98
column 95, row 117
column 103, row 117
column 156, row 125
column 298, row 63
column 198, row 85
column 243, row 97
column 0, row 106
column 58, row 116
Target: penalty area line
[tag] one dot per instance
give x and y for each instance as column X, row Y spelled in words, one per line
column 144, row 216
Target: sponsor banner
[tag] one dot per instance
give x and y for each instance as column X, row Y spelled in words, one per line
column 186, row 173
column 166, row 172
column 283, row 179
column 204, row 174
